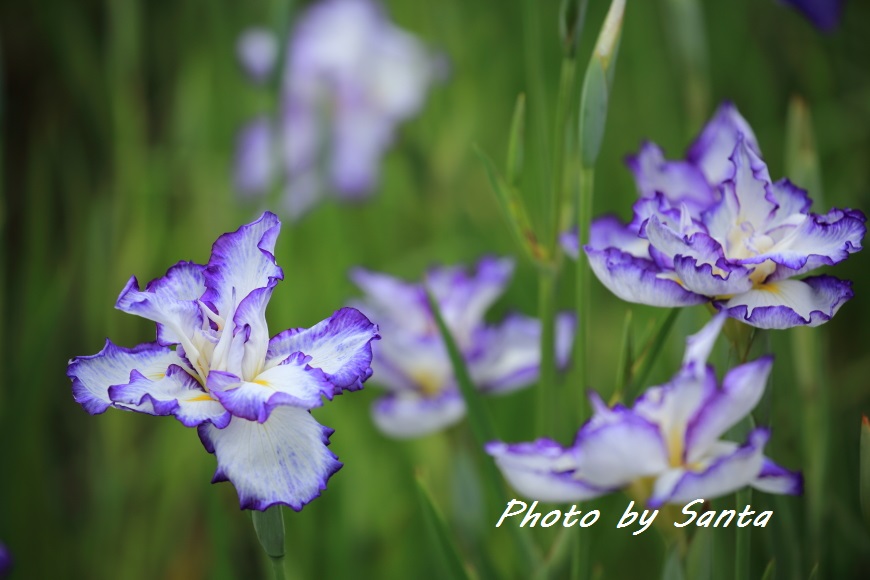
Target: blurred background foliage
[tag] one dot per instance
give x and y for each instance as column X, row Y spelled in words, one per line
column 119, row 120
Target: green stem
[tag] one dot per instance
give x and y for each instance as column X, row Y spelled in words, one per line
column 741, row 554
column 651, row 353
column 807, row 349
column 278, row 568
column 535, row 82
column 269, row 525
column 565, row 99
column 547, row 401
column 581, row 341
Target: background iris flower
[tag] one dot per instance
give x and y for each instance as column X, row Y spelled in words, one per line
column 824, row 14
column 350, row 78
column 248, row 395
column 666, row 447
column 412, row 361
column 715, row 227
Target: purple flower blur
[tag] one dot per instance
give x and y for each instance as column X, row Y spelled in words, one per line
column 248, row 396
column 412, row 361
column 350, row 78
column 667, row 447
column 716, row 228
column 824, row 14
column 5, row 560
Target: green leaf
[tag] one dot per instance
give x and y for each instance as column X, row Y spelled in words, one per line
column 700, row 557
column 593, row 112
column 269, row 525
column 481, row 425
column 449, row 551
column 673, row 568
column 801, row 158
column 770, row 571
column 516, row 142
column 481, row 428
column 643, row 365
column 515, row 213
column 572, row 16
column 597, row 84
column 865, row 469
column 623, row 369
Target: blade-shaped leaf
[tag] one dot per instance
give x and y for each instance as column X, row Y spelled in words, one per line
column 515, row 213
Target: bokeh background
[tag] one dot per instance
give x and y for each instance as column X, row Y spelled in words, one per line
column 118, row 128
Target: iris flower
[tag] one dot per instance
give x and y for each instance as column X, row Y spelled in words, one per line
column 5, row 560
column 667, row 447
column 412, row 361
column 215, row 368
column 350, row 78
column 824, row 14
column 714, row 227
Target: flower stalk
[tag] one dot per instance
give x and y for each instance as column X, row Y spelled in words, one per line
column 597, row 83
column 269, row 526
column 801, row 160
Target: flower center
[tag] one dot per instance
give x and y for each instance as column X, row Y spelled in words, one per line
column 744, row 242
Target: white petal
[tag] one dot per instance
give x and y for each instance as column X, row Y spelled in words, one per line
column 93, row 375
column 407, row 414
column 542, row 470
column 282, row 461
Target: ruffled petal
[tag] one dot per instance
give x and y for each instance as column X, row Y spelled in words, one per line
column 618, row 446
column 712, row 148
column 169, row 301
column 741, row 390
column 176, row 393
column 240, row 262
column 671, row 243
column 292, row 383
column 93, row 375
column 464, row 299
column 542, row 470
column 282, row 461
column 389, row 298
column 819, row 240
column 638, row 280
column 407, row 361
column 407, row 414
column 252, row 331
column 672, row 406
column 609, row 232
column 776, row 479
column 679, row 181
column 728, row 468
column 340, row 346
column 254, row 163
column 783, row 304
column 509, row 355
column 752, row 186
column 790, row 201
column 708, row 280
column 700, row 345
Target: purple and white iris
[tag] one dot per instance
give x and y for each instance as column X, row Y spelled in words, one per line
column 714, row 227
column 667, row 447
column 412, row 361
column 350, row 78
column 215, row 368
